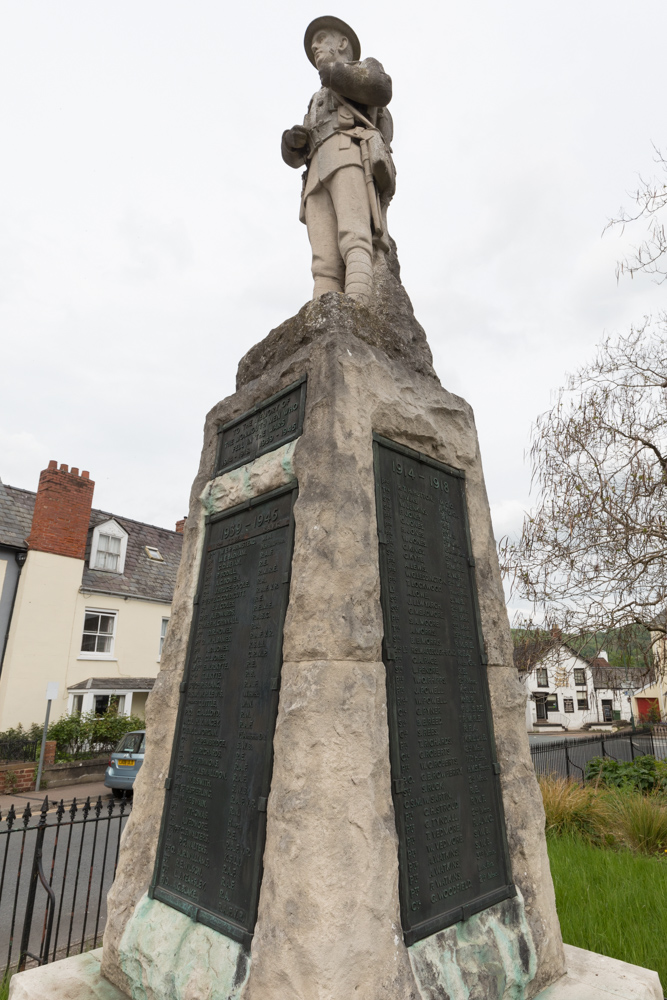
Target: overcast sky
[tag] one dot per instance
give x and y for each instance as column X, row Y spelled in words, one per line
column 149, row 228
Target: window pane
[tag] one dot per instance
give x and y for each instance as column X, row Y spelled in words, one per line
column 101, row 703
column 91, row 623
column 131, row 743
column 103, row 644
column 98, row 633
column 108, row 553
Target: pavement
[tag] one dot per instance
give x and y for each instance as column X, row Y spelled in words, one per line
column 66, row 792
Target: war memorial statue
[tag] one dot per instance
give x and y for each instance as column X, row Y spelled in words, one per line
column 345, row 144
column 338, row 799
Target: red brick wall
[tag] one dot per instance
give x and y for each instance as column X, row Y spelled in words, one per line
column 50, row 752
column 17, row 777
column 21, row 777
column 62, row 512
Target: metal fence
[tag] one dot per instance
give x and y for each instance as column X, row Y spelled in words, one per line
column 13, row 750
column 567, row 758
column 56, row 867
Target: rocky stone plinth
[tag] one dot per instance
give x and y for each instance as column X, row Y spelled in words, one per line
column 329, row 921
column 388, row 324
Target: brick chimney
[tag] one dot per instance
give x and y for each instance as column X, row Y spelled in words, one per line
column 180, row 525
column 62, row 512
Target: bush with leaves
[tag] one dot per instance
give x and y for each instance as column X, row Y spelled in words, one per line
column 17, row 743
column 86, row 735
column 643, row 774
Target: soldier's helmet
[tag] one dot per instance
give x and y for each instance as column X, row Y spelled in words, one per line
column 331, row 23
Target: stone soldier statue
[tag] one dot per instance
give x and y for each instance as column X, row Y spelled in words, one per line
column 345, row 143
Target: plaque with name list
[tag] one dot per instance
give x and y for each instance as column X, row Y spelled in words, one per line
column 209, row 860
column 270, row 424
column 453, row 856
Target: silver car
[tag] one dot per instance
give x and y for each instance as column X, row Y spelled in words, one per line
column 125, row 761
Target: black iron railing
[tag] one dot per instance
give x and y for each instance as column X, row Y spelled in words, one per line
column 13, row 750
column 56, row 867
column 567, row 758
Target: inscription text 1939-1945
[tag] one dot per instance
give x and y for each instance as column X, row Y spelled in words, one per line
column 209, row 861
column 453, row 857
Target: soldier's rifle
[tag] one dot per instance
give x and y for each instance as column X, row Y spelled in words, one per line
column 362, row 135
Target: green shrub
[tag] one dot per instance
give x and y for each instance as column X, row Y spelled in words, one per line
column 81, row 736
column 20, row 734
column 643, row 774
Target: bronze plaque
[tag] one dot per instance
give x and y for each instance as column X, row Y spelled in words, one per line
column 453, row 858
column 209, row 862
column 270, row 424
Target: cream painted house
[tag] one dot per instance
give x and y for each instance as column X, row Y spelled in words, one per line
column 91, row 601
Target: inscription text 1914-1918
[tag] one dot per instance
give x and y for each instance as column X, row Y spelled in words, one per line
column 210, row 854
column 453, row 858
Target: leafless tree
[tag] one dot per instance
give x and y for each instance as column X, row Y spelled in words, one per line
column 650, row 199
column 592, row 557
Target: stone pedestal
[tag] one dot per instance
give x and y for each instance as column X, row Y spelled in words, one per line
column 329, row 924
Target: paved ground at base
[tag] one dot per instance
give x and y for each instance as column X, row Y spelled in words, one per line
column 20, row 799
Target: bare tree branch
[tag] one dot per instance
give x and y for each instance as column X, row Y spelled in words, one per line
column 592, row 556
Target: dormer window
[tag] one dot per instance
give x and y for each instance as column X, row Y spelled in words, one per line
column 108, row 547
column 108, row 553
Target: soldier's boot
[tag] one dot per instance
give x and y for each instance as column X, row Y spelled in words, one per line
column 323, row 284
column 359, row 276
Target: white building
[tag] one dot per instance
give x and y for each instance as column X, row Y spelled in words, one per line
column 85, row 599
column 566, row 691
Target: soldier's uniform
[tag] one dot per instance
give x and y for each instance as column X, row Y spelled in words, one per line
column 335, row 199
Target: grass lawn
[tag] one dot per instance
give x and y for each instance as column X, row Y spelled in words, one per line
column 612, row 902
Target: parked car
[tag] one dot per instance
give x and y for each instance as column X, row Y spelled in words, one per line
column 125, row 761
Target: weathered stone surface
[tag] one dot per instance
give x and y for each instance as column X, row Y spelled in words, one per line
column 486, row 957
column 524, row 817
column 328, row 918
column 75, row 978
column 389, row 324
column 596, row 977
column 169, row 957
column 268, row 472
column 140, row 836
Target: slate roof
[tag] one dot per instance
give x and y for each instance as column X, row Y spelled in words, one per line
column 15, row 516
column 114, row 684
column 142, row 577
column 605, row 676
